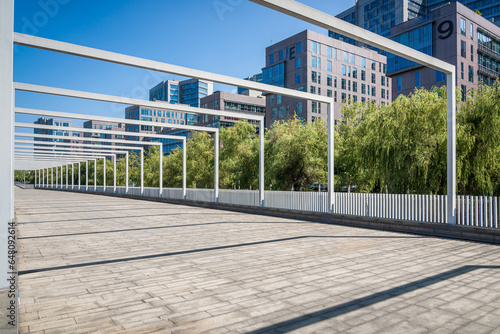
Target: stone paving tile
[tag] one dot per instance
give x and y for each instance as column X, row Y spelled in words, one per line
column 136, row 266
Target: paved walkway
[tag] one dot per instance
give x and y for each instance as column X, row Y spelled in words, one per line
column 97, row 264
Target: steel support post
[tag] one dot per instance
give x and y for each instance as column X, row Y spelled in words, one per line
column 104, row 174
column 160, row 190
column 184, row 169
column 95, row 175
column 216, row 166
column 72, row 176
column 35, row 178
column 61, row 176
column 114, row 173
column 126, row 173
column 67, row 168
column 86, row 175
column 451, row 149
column 51, row 177
column 142, row 172
column 261, row 163
column 79, row 176
column 331, row 150
column 57, row 176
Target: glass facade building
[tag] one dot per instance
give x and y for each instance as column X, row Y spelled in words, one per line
column 419, row 39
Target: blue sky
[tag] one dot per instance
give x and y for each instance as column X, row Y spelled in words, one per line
column 221, row 36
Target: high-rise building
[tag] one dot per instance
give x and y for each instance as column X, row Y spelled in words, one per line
column 379, row 16
column 189, row 92
column 101, row 125
column 245, row 91
column 62, row 123
column 315, row 63
column 230, row 102
column 452, row 33
column 162, row 116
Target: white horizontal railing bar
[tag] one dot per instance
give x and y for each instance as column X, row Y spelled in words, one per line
column 60, row 154
column 100, row 140
column 130, row 101
column 320, row 19
column 57, row 144
column 58, row 114
column 59, row 149
column 108, row 132
column 112, row 57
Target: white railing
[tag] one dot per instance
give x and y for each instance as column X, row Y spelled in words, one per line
column 478, row 211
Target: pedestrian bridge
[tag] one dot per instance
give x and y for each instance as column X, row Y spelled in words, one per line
column 101, row 264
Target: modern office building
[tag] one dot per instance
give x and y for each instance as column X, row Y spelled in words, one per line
column 379, row 16
column 230, row 102
column 189, row 92
column 452, row 33
column 162, row 116
column 313, row 62
column 62, row 123
column 100, row 125
column 245, row 91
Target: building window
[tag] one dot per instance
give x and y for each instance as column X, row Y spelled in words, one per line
column 355, row 86
column 472, row 52
column 271, row 59
column 352, row 58
column 346, row 57
column 382, row 80
column 440, row 76
column 354, row 73
column 299, row 107
column 314, row 108
column 319, row 77
column 373, row 65
column 319, row 63
column 464, row 92
column 329, row 51
column 349, row 85
column 417, row 79
column 314, row 62
column 471, row 74
column 335, row 96
column 297, row 63
column 399, row 84
column 343, row 69
column 374, row 91
column 297, row 78
column 319, row 90
column 334, row 53
column 462, row 26
column 463, row 49
column 271, row 101
column 335, row 82
column 471, row 31
column 314, row 78
column 462, row 71
column 382, row 91
column 363, row 89
column 374, row 80
column 299, row 47
column 273, row 112
column 343, row 97
column 363, row 75
column 329, row 65
column 343, row 84
column 313, row 90
column 329, row 80
column 278, row 99
column 329, row 92
column 363, row 62
column 280, row 112
column 349, row 71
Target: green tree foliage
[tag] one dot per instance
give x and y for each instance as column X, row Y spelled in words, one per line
column 296, row 155
column 478, row 143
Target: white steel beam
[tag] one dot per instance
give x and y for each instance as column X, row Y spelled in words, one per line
column 7, row 131
column 112, row 57
column 318, row 18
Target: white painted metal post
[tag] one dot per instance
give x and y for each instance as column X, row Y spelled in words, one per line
column 79, row 177
column 67, row 168
column 95, row 175
column 451, row 149
column 52, row 177
column 86, row 175
column 331, row 194
column 184, row 169
column 57, row 176
column 114, row 173
column 216, row 166
column 160, row 190
column 104, row 174
column 142, row 172
column 62, row 177
column 35, row 178
column 126, row 173
column 261, row 164
column 72, row 176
